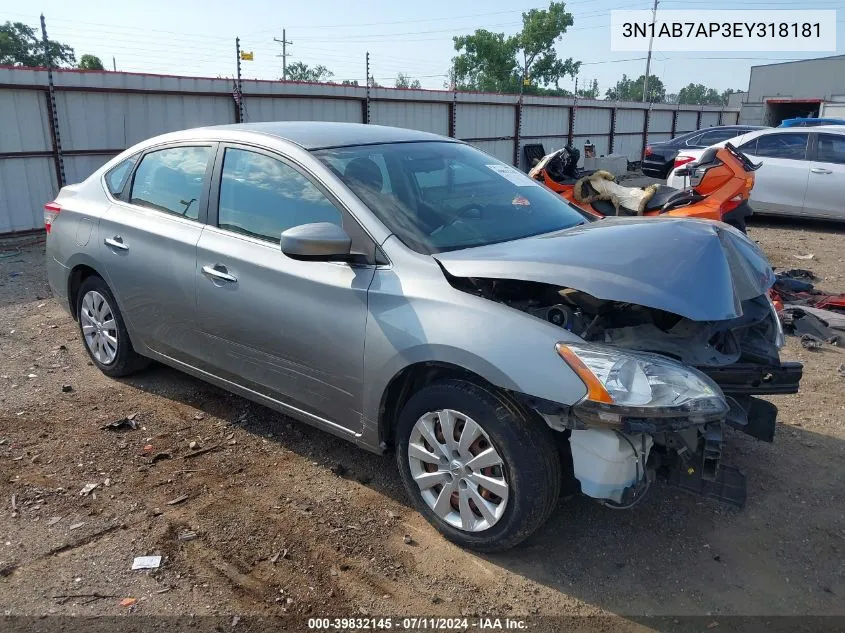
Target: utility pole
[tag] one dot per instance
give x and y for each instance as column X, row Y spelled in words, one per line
column 284, row 42
column 239, row 97
column 113, row 63
column 648, row 59
column 51, row 97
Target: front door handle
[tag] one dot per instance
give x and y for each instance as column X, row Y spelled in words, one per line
column 820, row 170
column 218, row 271
column 116, row 242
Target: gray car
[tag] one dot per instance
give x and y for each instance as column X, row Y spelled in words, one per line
column 412, row 294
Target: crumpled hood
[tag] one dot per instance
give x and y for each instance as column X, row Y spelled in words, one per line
column 698, row 269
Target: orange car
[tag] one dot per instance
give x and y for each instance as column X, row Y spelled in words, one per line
column 721, row 182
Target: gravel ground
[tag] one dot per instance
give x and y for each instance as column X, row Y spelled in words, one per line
column 279, row 518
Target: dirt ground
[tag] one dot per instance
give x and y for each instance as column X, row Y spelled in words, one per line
column 280, row 518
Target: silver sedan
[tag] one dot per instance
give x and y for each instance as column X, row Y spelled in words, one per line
column 409, row 293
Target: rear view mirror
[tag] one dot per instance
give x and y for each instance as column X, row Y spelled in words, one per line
column 321, row 241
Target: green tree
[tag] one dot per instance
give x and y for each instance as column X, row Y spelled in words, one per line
column 591, row 92
column 526, row 60
column 627, row 89
column 404, row 81
column 90, row 62
column 300, row 71
column 20, row 46
column 349, row 82
column 699, row 94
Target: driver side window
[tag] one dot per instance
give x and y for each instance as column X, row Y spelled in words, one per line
column 262, row 196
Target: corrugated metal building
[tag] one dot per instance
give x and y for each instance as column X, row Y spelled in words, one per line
column 792, row 89
column 99, row 114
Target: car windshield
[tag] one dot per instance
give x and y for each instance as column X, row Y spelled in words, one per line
column 441, row 196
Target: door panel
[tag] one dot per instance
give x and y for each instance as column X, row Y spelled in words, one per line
column 292, row 330
column 149, row 248
column 826, row 188
column 781, row 183
column 151, row 273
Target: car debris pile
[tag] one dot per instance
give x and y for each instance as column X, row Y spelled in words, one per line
column 817, row 317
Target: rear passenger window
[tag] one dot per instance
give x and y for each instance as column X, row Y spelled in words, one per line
column 831, row 149
column 791, row 146
column 262, row 197
column 117, row 176
column 171, row 180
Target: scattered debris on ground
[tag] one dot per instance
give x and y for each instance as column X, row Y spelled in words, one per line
column 146, row 562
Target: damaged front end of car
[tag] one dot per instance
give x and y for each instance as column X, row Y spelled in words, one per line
column 664, row 376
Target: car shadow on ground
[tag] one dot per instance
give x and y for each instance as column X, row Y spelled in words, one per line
column 673, row 554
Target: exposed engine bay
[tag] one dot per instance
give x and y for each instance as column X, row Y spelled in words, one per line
column 615, row 462
column 750, row 338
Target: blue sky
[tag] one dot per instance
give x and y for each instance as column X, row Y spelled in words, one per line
column 197, row 38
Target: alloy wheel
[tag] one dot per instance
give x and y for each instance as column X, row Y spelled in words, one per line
column 99, row 327
column 459, row 472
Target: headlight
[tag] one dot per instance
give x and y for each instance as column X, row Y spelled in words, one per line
column 637, row 384
column 779, row 339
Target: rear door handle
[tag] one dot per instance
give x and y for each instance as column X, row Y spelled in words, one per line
column 219, row 271
column 820, row 170
column 116, row 242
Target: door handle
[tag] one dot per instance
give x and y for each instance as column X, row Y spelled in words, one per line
column 219, row 272
column 820, row 170
column 116, row 242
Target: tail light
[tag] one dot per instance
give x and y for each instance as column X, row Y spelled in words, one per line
column 648, row 150
column 51, row 210
column 730, row 205
column 680, row 161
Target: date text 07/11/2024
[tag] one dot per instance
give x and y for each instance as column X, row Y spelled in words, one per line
column 416, row 624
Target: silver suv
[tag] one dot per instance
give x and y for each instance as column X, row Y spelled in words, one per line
column 410, row 293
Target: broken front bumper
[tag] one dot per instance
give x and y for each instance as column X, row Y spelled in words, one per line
column 753, row 416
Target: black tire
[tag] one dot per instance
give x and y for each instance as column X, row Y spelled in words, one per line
column 532, row 465
column 126, row 360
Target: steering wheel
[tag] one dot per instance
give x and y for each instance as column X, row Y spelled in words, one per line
column 464, row 213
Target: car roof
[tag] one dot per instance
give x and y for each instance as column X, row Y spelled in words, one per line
column 685, row 135
column 313, row 135
column 836, row 129
column 831, row 129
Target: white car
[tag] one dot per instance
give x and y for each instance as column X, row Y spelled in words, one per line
column 803, row 172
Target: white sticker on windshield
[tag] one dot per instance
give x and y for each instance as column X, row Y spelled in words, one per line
column 513, row 175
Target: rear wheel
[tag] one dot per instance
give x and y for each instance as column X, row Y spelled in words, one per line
column 103, row 330
column 484, row 473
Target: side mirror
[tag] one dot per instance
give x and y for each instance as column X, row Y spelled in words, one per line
column 321, row 241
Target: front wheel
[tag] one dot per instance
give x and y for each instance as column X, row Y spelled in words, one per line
column 481, row 471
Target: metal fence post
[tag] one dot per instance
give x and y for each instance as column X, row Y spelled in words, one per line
column 239, row 93
column 367, row 102
column 453, row 108
column 51, row 109
column 517, row 131
column 674, row 122
column 612, row 135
